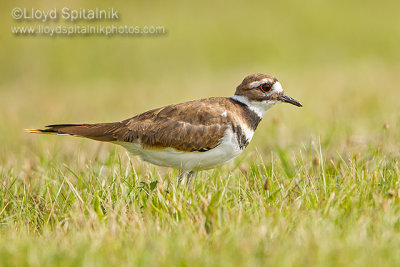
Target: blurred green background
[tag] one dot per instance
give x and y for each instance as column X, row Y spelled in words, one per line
column 341, row 59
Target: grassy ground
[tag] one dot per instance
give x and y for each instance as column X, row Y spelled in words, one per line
column 332, row 168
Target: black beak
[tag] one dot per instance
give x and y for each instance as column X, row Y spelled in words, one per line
column 288, row 99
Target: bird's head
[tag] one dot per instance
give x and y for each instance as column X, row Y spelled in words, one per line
column 261, row 91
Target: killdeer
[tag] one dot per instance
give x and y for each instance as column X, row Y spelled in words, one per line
column 191, row 136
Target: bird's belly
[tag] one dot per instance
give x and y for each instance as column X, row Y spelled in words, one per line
column 226, row 151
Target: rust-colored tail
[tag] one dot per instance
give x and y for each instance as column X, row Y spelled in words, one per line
column 98, row 131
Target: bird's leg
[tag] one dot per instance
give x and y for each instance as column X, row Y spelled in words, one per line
column 189, row 179
column 182, row 175
column 187, row 175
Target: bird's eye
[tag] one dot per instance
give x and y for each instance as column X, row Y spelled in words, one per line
column 265, row 87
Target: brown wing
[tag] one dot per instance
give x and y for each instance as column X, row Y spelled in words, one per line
column 190, row 126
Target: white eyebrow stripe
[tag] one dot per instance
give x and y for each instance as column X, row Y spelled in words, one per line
column 258, row 83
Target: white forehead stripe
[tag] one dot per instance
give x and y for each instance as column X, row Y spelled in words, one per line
column 277, row 87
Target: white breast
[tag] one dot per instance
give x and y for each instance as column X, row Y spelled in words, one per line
column 187, row 161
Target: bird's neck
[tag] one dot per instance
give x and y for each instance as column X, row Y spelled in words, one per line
column 259, row 107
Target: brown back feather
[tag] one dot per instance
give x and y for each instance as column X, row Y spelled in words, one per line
column 190, row 126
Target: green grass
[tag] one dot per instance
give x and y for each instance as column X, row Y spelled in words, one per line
column 332, row 168
column 316, row 211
